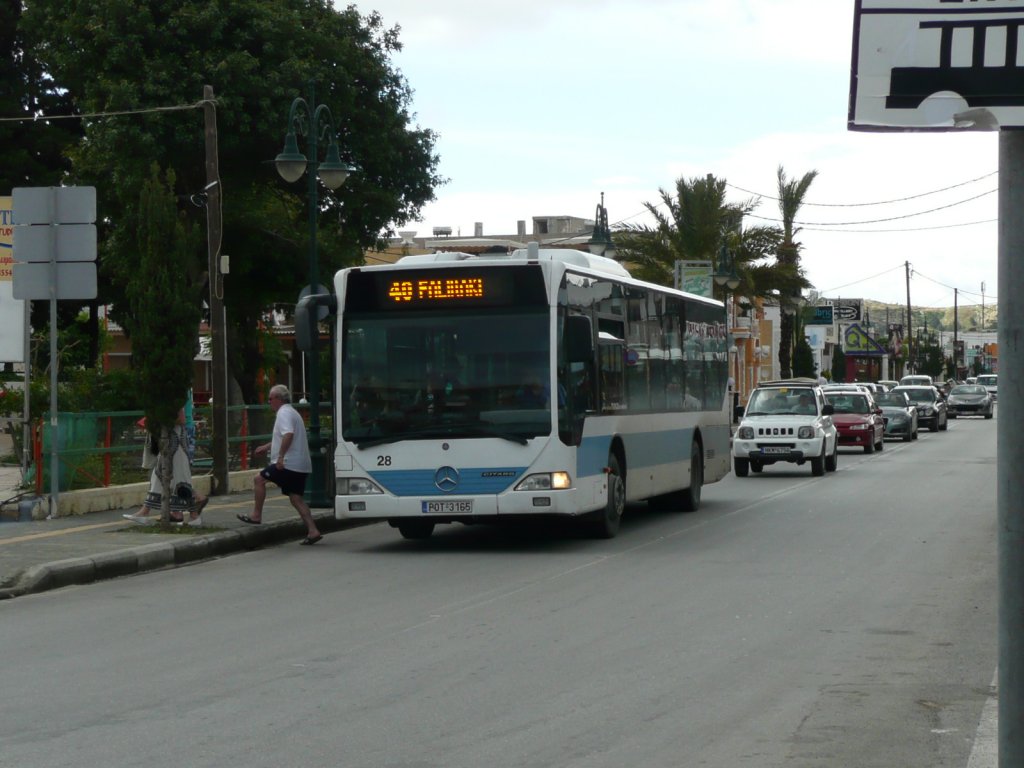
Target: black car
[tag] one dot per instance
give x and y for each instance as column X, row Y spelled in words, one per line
column 931, row 406
column 970, row 400
column 900, row 415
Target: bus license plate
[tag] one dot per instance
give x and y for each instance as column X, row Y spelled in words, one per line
column 774, row 449
column 447, row 507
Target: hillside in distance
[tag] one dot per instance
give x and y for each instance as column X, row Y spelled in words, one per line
column 933, row 318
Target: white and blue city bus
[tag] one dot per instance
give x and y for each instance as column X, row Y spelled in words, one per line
column 483, row 388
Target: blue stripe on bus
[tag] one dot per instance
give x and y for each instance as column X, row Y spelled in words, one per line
column 472, row 481
column 643, row 449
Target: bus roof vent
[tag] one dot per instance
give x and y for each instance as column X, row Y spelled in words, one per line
column 571, row 256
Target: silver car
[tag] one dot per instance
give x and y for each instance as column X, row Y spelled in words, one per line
column 969, row 400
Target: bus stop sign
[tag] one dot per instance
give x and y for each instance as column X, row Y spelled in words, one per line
column 936, row 65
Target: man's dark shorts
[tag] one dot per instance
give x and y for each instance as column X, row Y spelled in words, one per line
column 288, row 481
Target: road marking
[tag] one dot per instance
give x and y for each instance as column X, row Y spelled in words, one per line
column 984, row 750
column 61, row 532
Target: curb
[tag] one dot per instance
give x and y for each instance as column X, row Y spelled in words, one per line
column 162, row 554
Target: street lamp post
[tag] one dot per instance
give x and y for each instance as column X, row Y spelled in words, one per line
column 600, row 242
column 313, row 122
column 726, row 277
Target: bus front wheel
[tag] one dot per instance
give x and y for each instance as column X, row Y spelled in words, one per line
column 606, row 522
column 691, row 496
column 415, row 529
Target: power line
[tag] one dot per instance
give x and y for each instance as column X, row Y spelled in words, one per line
column 149, row 110
column 875, row 221
column 880, row 202
column 862, row 280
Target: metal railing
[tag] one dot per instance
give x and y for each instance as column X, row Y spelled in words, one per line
column 100, row 449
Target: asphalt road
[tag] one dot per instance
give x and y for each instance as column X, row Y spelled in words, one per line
column 848, row 620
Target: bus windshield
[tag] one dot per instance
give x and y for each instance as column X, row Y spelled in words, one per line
column 446, row 373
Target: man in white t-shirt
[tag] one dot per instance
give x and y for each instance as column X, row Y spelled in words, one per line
column 289, row 465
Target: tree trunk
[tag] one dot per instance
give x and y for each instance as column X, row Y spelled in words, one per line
column 786, row 346
column 165, row 462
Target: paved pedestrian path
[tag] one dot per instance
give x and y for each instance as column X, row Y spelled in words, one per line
column 37, row 555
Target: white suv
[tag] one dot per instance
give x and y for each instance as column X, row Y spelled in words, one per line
column 786, row 421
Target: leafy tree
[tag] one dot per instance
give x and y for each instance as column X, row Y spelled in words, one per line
column 803, row 359
column 791, row 198
column 164, row 339
column 258, row 55
column 838, row 365
column 34, row 150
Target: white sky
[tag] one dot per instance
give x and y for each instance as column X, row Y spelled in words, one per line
column 541, row 105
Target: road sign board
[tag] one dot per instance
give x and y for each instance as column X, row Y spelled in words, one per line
column 817, row 315
column 321, row 311
column 936, row 65
column 54, row 205
column 67, row 242
column 75, row 280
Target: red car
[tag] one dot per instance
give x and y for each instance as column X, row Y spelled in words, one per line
column 858, row 420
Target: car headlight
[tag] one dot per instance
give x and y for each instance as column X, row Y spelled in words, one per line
column 745, row 433
column 898, row 418
column 547, row 481
column 859, row 426
column 925, row 410
column 805, row 433
column 357, row 486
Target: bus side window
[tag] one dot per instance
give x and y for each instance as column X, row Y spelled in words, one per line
column 612, row 376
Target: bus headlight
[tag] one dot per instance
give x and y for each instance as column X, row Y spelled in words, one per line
column 549, row 481
column 357, row 486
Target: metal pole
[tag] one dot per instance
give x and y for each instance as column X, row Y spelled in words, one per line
column 218, row 319
column 317, row 496
column 1010, row 450
column 54, row 423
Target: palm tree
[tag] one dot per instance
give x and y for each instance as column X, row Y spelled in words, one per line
column 692, row 225
column 791, row 197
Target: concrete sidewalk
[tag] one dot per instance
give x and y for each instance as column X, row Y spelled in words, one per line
column 37, row 554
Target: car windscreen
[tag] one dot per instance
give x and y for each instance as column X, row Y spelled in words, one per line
column 920, row 394
column 848, row 403
column 894, row 399
column 968, row 389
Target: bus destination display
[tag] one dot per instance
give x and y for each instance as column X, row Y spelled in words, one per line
column 406, row 289
column 436, row 289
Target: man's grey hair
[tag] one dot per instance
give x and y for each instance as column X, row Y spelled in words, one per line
column 282, row 392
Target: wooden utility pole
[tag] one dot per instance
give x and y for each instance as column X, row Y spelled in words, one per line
column 912, row 357
column 218, row 332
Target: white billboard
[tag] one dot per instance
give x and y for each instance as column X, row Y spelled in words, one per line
column 937, row 65
column 12, row 311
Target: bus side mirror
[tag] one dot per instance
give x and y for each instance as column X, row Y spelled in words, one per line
column 579, row 339
column 308, row 313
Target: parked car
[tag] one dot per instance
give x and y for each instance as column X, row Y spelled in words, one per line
column 917, row 380
column 786, row 421
column 931, row 407
column 900, row 415
column 990, row 382
column 970, row 400
column 858, row 420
